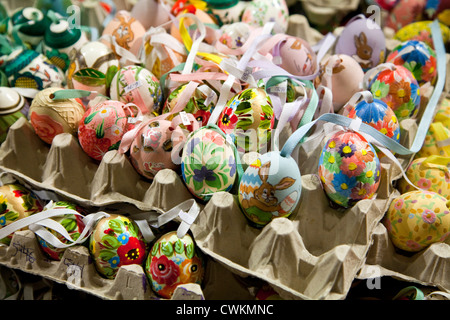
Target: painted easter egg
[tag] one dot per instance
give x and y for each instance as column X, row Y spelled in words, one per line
column 417, row 57
column 443, row 113
column 157, row 146
column 52, row 117
column 226, row 11
column 270, row 188
column 235, row 34
column 363, row 40
column 343, row 75
column 16, row 202
column 208, row 163
column 396, row 86
column 116, row 241
column 404, row 12
column 182, row 7
column 137, row 85
column 34, row 23
column 248, row 119
column 435, row 141
column 259, row 12
column 417, row 219
column 30, row 69
column 13, row 106
column 72, row 223
column 421, row 31
column 91, row 66
column 102, row 127
column 173, row 261
column 349, row 168
column 428, row 173
column 297, row 57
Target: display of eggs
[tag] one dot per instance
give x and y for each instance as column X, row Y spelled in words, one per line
column 52, row 117
column 259, row 12
column 72, row 223
column 417, row 57
column 208, row 163
column 428, row 173
column 248, row 118
column 16, row 202
column 135, row 84
column 116, row 241
column 363, row 40
column 157, row 146
column 102, row 127
column 417, row 219
column 349, row 168
column 396, row 86
column 269, row 188
column 173, row 261
column 235, row 34
column 297, row 57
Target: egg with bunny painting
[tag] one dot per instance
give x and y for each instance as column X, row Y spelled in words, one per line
column 270, row 188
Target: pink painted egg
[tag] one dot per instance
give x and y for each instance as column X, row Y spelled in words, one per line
column 297, row 57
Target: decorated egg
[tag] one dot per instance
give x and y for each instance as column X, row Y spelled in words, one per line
column 29, row 69
column 201, row 104
column 91, row 66
column 208, row 163
column 443, row 113
column 270, row 188
column 436, row 141
column 421, row 31
column 429, row 174
column 248, row 119
column 73, row 224
column 405, row 12
column 343, row 75
column 173, row 261
column 34, row 23
column 349, row 168
column 363, row 40
column 258, row 12
column 297, row 57
column 116, row 241
column 397, row 87
column 157, row 146
column 417, row 57
column 137, row 85
column 59, row 39
column 102, row 127
column 417, row 219
column 127, row 31
column 52, row 117
column 235, row 34
column 226, row 11
column 13, row 106
column 16, row 202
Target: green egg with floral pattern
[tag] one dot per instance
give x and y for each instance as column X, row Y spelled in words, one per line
column 174, row 261
column 116, row 241
column 417, row 219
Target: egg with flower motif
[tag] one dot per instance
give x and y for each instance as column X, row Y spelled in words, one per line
column 173, row 261
column 102, row 127
column 157, row 146
column 421, row 31
column 417, row 57
column 269, row 188
column 248, row 118
column 435, row 142
column 349, row 168
column 72, row 223
column 235, row 34
column 116, row 241
column 16, row 202
column 417, row 219
column 398, row 88
column 259, row 12
column 137, row 85
column 208, row 162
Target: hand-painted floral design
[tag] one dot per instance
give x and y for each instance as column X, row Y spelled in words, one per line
column 45, row 127
column 349, row 169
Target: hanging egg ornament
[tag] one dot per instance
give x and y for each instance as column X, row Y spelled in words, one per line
column 157, row 146
column 135, row 84
column 72, row 223
column 417, row 219
column 248, row 118
column 297, row 57
column 417, row 57
column 259, row 12
column 34, row 23
column 349, row 168
column 208, row 163
column 396, row 86
column 173, row 261
column 270, row 188
column 363, row 40
column 102, row 127
column 16, row 202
